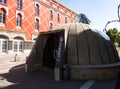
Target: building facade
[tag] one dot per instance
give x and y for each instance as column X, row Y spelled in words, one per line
column 22, row 20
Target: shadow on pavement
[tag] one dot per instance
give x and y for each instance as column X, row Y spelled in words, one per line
column 42, row 79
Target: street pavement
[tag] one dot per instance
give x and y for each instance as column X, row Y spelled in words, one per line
column 13, row 76
column 6, row 65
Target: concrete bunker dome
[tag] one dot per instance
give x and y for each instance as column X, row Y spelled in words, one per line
column 87, row 54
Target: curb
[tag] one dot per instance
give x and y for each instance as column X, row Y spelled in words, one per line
column 6, row 66
column 7, row 70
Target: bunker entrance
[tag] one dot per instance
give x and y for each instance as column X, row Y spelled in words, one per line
column 48, row 53
column 53, row 53
column 50, row 50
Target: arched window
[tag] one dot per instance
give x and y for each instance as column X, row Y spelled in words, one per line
column 51, row 2
column 37, row 25
column 51, row 25
column 37, row 9
column 58, row 17
column 51, row 15
column 18, row 44
column 65, row 19
column 19, row 20
column 19, row 4
column 3, row 1
column 3, row 44
column 2, row 16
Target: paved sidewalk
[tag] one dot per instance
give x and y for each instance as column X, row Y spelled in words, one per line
column 5, row 66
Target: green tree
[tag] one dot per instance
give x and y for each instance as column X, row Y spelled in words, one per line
column 114, row 35
column 115, row 31
column 119, row 39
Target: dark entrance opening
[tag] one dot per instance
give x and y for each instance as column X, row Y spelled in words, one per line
column 53, row 54
column 50, row 50
column 48, row 55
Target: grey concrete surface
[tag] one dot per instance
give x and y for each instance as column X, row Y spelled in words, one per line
column 5, row 66
column 16, row 78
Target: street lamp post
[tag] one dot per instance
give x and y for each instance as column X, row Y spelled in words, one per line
column 104, row 30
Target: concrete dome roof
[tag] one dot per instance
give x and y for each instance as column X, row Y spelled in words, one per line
column 85, row 54
column 85, row 46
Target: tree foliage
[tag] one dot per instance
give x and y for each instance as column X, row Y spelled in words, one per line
column 114, row 35
column 83, row 19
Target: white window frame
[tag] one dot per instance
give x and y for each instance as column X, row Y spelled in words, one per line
column 1, row 45
column 37, row 10
column 18, row 44
column 19, row 4
column 3, row 1
column 66, row 19
column 58, row 18
column 37, row 30
column 51, row 2
column 37, row 26
column 50, row 22
column 19, row 22
column 39, row 5
column 3, row 18
column 50, row 25
column 51, row 14
column 5, row 8
column 22, row 17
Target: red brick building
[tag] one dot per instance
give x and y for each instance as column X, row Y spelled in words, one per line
column 22, row 20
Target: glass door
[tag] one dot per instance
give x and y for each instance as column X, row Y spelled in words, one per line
column 18, row 45
column 3, row 45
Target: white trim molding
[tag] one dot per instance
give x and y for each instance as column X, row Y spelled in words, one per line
column 37, row 18
column 4, row 7
column 51, row 10
column 17, row 12
column 37, row 3
column 51, row 22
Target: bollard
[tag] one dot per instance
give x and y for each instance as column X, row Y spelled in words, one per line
column 58, row 74
column 16, row 58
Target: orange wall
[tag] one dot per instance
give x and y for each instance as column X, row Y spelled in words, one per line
column 29, row 18
column 28, row 22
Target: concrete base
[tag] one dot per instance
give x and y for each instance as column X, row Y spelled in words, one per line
column 57, row 75
column 99, row 72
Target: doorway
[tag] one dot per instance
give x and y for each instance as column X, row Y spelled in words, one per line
column 50, row 50
column 48, row 54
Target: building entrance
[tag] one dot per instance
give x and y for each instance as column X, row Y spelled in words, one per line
column 48, row 53
column 53, row 54
column 50, row 50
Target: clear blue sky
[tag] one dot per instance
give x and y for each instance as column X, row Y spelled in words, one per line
column 98, row 11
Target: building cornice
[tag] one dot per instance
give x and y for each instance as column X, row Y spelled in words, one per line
column 49, row 6
column 65, row 6
column 11, row 34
